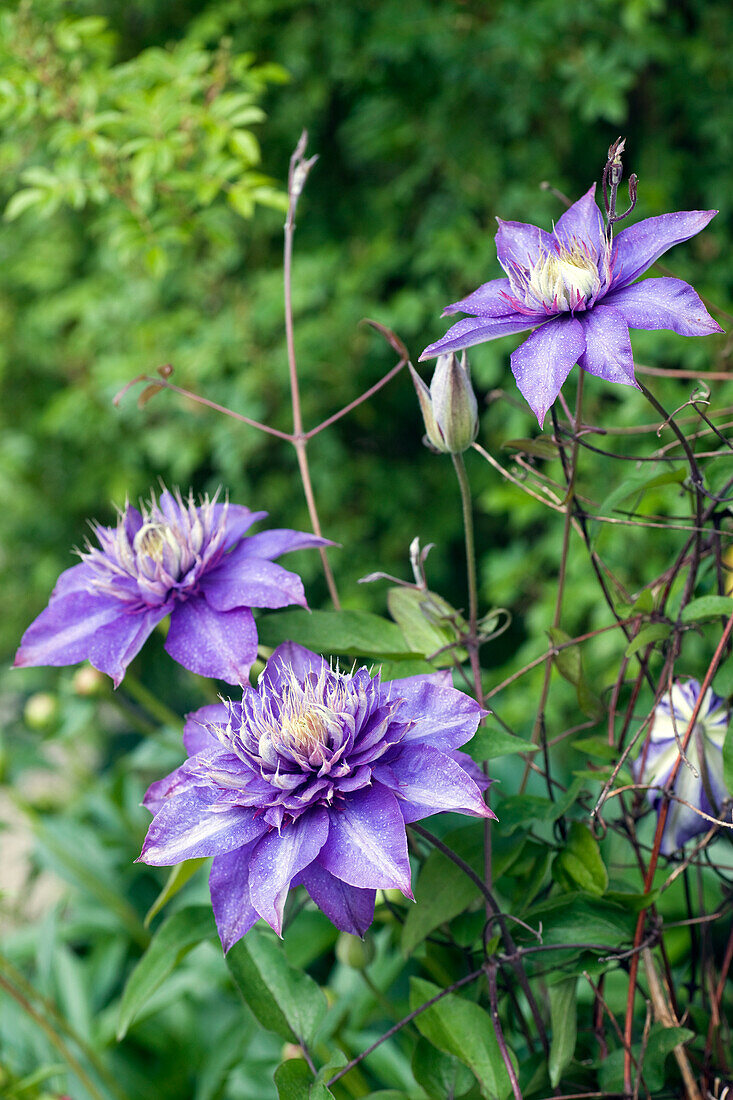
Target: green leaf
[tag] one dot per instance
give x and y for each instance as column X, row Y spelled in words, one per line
column 178, row 877
column 174, row 939
column 21, row 201
column 541, row 447
column 439, row 1074
column 578, row 918
column 662, row 1041
column 465, row 1030
column 588, row 701
column 423, row 619
column 443, row 890
column 579, row 864
column 723, row 682
column 707, row 607
column 564, row 1021
column 653, row 632
column 568, row 660
column 294, row 1081
column 596, row 746
column 487, row 744
column 350, row 633
column 283, row 999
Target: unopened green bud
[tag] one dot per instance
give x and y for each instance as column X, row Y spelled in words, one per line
column 353, row 952
column 41, row 711
column 88, row 681
column 449, row 407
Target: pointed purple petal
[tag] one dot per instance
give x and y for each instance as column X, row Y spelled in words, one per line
column 442, row 716
column 490, row 300
column 663, row 303
column 76, row 579
column 607, row 345
column 213, row 643
column 196, row 736
column 278, row 857
column 350, row 908
column 239, row 519
column 229, row 886
column 251, row 582
column 583, row 222
column 290, row 656
column 64, row 633
column 277, row 541
column 367, row 845
column 429, row 782
column 641, row 244
column 472, row 330
column 542, row 363
column 115, row 644
column 187, row 827
column 520, row 244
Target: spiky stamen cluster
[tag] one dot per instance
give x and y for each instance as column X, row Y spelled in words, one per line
column 158, row 553
column 309, row 744
column 562, row 279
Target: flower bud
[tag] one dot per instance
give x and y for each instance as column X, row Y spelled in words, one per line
column 41, row 711
column 354, row 952
column 449, row 407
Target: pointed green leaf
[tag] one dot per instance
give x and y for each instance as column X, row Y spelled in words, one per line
column 564, row 1022
column 652, row 632
column 579, row 864
column 707, row 607
column 351, row 633
column 283, row 999
column 489, row 743
column 568, row 660
column 294, row 1081
column 177, row 935
column 463, row 1029
column 177, row 879
column 424, row 620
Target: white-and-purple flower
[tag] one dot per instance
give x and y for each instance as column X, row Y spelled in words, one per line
column 173, row 557
column 311, row 780
column 573, row 287
column 703, row 788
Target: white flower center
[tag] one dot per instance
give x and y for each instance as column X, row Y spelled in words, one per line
column 564, row 279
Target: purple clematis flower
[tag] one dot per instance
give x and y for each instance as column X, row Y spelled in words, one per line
column 195, row 563
column 573, row 286
column 310, row 780
column 702, row 788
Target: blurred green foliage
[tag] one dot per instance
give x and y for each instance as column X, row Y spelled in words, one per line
column 142, row 226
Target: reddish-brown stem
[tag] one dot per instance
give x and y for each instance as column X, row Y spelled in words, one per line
column 651, row 869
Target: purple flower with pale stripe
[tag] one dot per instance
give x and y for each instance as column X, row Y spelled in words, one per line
column 311, row 780
column 701, row 783
column 573, row 286
column 196, row 563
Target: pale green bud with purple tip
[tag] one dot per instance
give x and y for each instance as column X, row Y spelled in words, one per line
column 449, row 406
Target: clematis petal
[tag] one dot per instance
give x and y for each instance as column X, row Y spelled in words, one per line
column 641, row 244
column 582, row 222
column 441, row 716
column 186, row 827
column 490, row 300
column 197, row 737
column 290, row 657
column 477, row 330
column 115, row 644
column 64, row 632
column 213, row 643
column 367, row 845
column 277, row 541
column 608, row 351
column 663, row 303
column 251, row 582
column 542, row 363
column 520, row 245
column 278, row 857
column 229, row 886
column 77, row 579
column 238, row 521
column 350, row 908
column 428, row 782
